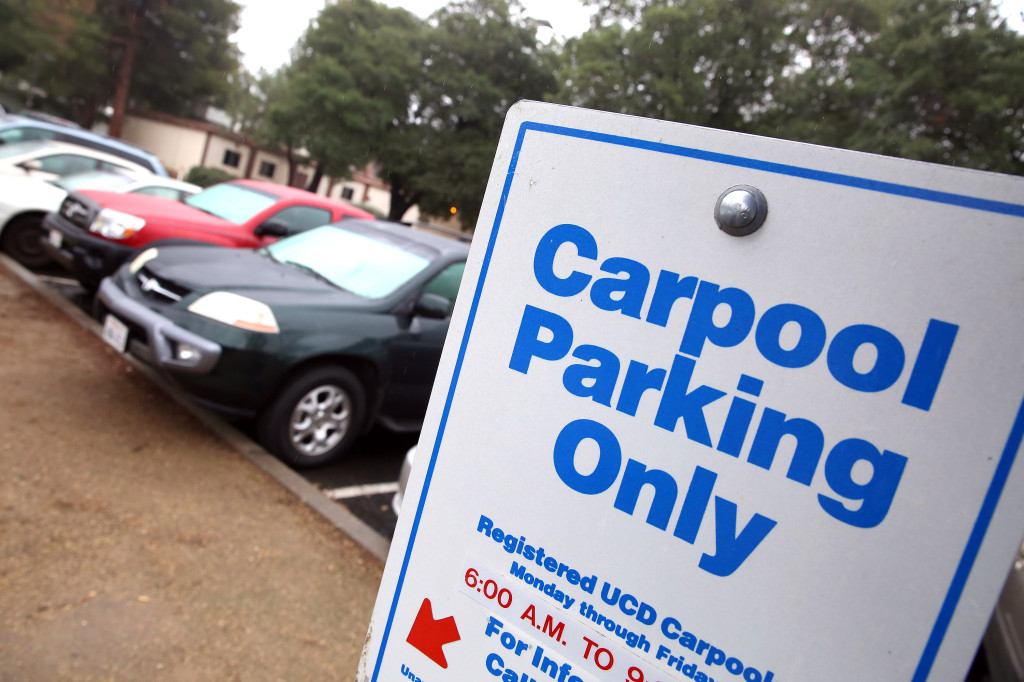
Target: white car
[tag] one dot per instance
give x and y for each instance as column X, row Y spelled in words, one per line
column 49, row 159
column 25, row 200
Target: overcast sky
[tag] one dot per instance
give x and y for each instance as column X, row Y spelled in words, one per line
column 269, row 30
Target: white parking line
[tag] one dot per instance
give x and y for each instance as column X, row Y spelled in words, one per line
column 361, row 490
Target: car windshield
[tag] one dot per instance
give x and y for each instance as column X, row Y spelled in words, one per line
column 354, row 262
column 93, row 180
column 234, row 203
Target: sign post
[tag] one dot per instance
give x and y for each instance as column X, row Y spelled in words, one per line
column 715, row 407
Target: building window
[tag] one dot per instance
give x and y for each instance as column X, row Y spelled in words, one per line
column 232, row 158
column 267, row 169
column 347, row 193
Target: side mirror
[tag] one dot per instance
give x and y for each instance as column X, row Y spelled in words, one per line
column 271, row 228
column 32, row 165
column 433, row 306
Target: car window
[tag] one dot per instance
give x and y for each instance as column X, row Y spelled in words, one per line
column 165, row 192
column 446, row 283
column 302, row 218
column 234, row 203
column 66, row 164
column 94, row 180
column 368, row 266
column 113, row 167
column 24, row 134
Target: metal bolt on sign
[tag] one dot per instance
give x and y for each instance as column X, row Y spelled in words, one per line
column 741, row 210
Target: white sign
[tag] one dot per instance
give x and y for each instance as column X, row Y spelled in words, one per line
column 657, row 451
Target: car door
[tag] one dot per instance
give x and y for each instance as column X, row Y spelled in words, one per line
column 417, row 353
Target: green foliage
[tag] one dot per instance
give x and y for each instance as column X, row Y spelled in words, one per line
column 20, row 36
column 204, row 177
column 71, row 49
column 480, row 58
column 934, row 80
column 425, row 100
column 351, row 82
column 945, row 83
column 938, row 80
column 186, row 58
column 704, row 62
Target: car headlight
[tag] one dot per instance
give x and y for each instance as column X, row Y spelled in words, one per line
column 238, row 311
column 142, row 259
column 116, row 225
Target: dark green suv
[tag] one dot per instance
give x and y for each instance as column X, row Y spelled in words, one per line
column 316, row 336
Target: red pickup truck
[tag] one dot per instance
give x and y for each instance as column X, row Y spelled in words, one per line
column 94, row 232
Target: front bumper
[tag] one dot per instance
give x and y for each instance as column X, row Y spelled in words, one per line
column 85, row 256
column 156, row 340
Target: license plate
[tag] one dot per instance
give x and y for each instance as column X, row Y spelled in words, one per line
column 56, row 238
column 115, row 333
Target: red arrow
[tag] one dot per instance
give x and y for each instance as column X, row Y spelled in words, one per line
column 429, row 635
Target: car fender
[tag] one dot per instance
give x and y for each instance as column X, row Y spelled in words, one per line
column 22, row 214
column 369, row 369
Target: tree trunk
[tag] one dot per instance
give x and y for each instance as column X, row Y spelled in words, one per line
column 318, row 175
column 401, row 200
column 126, row 69
column 290, row 157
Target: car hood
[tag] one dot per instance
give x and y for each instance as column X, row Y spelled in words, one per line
column 156, row 209
column 202, row 269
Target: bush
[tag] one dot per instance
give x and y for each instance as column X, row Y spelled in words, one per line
column 204, row 177
column 379, row 214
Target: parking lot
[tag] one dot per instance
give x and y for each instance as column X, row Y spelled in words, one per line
column 141, row 540
column 364, row 483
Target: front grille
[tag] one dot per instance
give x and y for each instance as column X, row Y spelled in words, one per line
column 158, row 289
column 76, row 212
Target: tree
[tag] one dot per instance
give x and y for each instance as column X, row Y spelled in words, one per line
column 49, row 44
column 287, row 121
column 174, row 56
column 351, row 83
column 20, row 35
column 945, row 83
column 425, row 101
column 934, row 80
column 480, row 58
column 183, row 60
column 704, row 62
column 813, row 102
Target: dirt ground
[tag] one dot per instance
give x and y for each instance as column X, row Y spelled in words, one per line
column 134, row 545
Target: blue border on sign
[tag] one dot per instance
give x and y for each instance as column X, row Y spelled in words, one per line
column 1006, row 460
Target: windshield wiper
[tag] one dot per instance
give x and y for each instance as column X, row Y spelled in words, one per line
column 308, row 270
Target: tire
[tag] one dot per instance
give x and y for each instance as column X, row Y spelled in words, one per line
column 315, row 418
column 21, row 240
